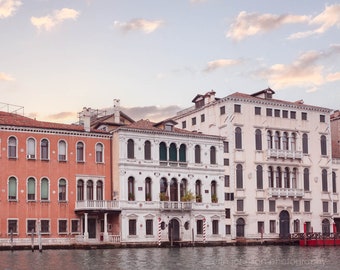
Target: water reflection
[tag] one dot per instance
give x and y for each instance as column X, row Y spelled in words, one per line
column 251, row 257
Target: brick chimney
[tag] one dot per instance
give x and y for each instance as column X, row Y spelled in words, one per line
column 116, row 112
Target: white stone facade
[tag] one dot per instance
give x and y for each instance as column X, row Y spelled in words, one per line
column 142, row 171
column 279, row 162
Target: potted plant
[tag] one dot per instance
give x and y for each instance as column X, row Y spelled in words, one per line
column 131, row 197
column 198, row 198
column 148, row 197
column 188, row 197
column 214, row 198
column 163, row 196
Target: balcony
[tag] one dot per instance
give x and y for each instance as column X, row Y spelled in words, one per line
column 97, row 205
column 279, row 153
column 165, row 163
column 285, row 192
column 175, row 206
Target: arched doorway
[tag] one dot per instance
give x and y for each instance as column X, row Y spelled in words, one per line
column 174, row 230
column 240, row 227
column 284, row 224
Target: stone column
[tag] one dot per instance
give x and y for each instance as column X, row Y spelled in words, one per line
column 86, row 233
column 105, row 235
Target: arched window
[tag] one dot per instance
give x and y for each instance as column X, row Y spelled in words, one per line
column 239, row 176
column 269, row 139
column 278, row 177
column 130, row 149
column 277, row 140
column 182, row 153
column 131, row 188
column 306, row 179
column 148, row 193
column 323, row 142
column 147, row 150
column 89, row 190
column 173, row 152
column 12, row 189
column 12, row 147
column 285, row 141
column 44, row 187
column 270, row 176
column 99, row 188
column 99, row 153
column 198, row 191
column 259, row 177
column 31, row 189
column 240, row 227
column 80, row 190
column 213, row 192
column 173, row 190
column 238, row 138
column 197, row 154
column 163, row 151
column 286, row 178
column 44, row 149
column 294, row 178
column 183, row 188
column 80, row 152
column 30, row 148
column 293, row 142
column 305, row 143
column 324, row 180
column 62, row 190
column 212, row 155
column 62, row 150
column 163, row 188
column 258, row 139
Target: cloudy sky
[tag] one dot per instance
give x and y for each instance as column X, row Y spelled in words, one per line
column 58, row 56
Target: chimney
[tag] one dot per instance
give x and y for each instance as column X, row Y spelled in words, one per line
column 116, row 112
column 86, row 119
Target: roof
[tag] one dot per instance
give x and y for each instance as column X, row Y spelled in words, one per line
column 12, row 119
column 147, row 125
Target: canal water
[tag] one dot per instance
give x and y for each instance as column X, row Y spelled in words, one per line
column 233, row 257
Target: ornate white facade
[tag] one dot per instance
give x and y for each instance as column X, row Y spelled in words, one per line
column 279, row 175
column 155, row 170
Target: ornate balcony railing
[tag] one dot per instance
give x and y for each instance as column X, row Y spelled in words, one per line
column 279, row 153
column 166, row 163
column 175, row 206
column 97, row 205
column 285, row 192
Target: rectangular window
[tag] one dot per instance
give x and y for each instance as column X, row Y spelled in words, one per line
column 226, row 181
column 62, row 226
column 325, row 207
column 239, row 205
column 260, row 205
column 269, row 112
column 322, row 118
column 184, row 124
column 292, row 115
column 222, row 110
column 277, row 113
column 75, row 226
column 307, row 206
column 237, row 108
column 12, row 226
column 284, row 114
column 199, row 226
column 296, row 206
column 227, row 229
column 45, row 226
column 132, row 226
column 335, row 207
column 257, row 110
column 229, row 196
column 272, row 226
column 149, row 227
column 260, row 226
column 31, row 226
column 225, row 147
column 272, row 206
column 226, row 161
column 193, row 121
column 202, row 118
column 227, row 213
column 304, row 116
column 215, row 227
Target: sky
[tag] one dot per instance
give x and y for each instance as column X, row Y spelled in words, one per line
column 155, row 56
